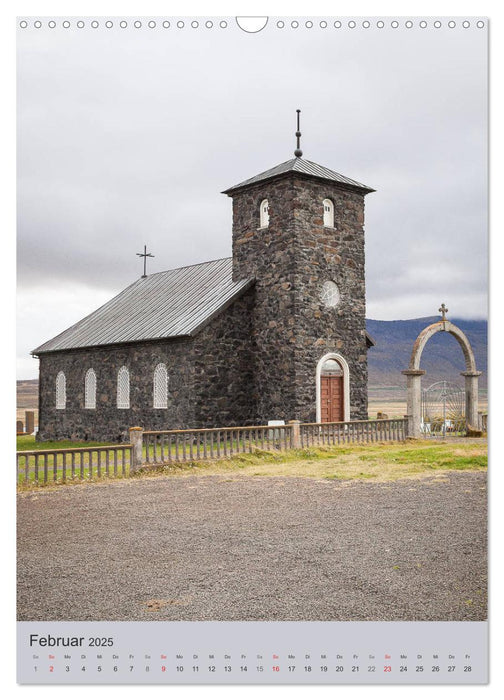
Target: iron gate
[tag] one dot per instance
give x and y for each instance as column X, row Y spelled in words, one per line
column 443, row 410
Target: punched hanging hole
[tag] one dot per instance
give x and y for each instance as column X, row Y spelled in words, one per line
column 251, row 25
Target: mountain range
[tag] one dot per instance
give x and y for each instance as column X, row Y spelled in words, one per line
column 442, row 357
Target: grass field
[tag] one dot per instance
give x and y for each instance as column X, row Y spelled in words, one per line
column 385, row 462
column 379, row 462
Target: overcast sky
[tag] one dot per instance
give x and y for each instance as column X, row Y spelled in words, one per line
column 128, row 136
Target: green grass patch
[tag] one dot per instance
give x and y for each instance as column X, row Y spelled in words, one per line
column 434, row 457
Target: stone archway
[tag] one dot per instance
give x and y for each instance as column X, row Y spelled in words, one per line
column 414, row 374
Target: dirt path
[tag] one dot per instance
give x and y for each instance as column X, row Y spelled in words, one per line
column 249, row 548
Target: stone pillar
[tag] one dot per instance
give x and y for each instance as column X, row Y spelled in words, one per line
column 471, row 396
column 30, row 422
column 136, row 440
column 413, row 401
column 296, row 433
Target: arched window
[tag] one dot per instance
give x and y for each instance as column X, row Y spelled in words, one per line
column 328, row 213
column 160, row 393
column 264, row 214
column 90, row 389
column 123, row 388
column 61, row 390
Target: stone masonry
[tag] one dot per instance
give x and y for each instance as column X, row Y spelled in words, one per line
column 291, row 259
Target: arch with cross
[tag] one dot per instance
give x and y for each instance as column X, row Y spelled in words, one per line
column 414, row 374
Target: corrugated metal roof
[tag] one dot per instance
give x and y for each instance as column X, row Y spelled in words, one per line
column 306, row 167
column 163, row 305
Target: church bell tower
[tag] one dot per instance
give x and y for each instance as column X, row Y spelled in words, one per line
column 298, row 229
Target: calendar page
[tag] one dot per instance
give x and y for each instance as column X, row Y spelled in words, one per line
column 252, row 350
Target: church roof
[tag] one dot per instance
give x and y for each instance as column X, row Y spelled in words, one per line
column 167, row 304
column 303, row 167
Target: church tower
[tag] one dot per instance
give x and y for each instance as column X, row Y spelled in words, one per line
column 298, row 229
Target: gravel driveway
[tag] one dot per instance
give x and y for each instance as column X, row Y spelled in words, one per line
column 255, row 548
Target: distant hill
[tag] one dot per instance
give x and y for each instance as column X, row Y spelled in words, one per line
column 27, row 393
column 442, row 357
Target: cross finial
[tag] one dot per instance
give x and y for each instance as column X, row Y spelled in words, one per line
column 298, row 152
column 145, row 255
column 443, row 310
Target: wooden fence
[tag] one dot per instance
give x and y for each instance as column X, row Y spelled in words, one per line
column 167, row 446
column 362, row 431
column 79, row 463
column 159, row 447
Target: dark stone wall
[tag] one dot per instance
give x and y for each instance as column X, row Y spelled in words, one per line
column 210, row 382
column 291, row 260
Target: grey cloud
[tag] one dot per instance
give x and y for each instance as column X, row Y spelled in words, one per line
column 128, row 137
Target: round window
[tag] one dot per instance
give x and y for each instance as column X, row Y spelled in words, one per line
column 330, row 295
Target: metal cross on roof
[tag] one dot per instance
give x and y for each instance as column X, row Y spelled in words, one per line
column 145, row 255
column 298, row 152
column 443, row 310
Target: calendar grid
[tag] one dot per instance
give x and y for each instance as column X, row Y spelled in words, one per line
column 252, row 652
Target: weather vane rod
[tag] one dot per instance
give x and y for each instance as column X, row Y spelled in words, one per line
column 298, row 152
column 145, row 255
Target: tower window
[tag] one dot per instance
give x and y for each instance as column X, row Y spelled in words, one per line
column 160, row 386
column 264, row 214
column 123, row 388
column 90, row 389
column 328, row 213
column 61, row 390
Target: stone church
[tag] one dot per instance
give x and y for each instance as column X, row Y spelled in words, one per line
column 276, row 332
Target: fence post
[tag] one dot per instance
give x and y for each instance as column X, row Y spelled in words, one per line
column 296, row 434
column 136, row 440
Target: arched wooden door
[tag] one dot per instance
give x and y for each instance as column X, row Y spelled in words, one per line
column 332, row 399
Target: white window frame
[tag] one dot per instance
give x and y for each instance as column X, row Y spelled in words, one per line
column 264, row 214
column 160, row 387
column 61, row 391
column 329, row 214
column 123, row 388
column 90, row 389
